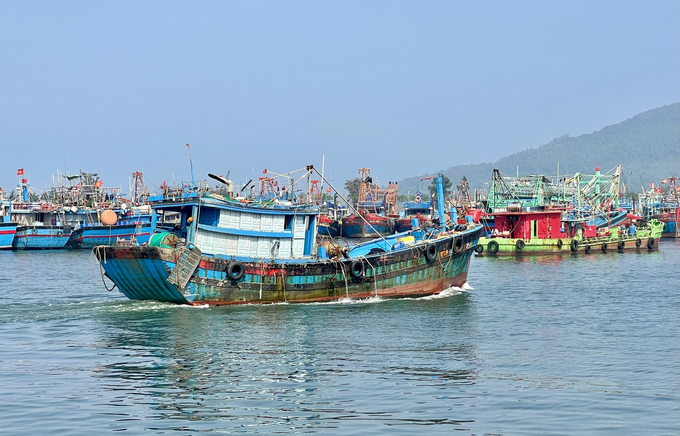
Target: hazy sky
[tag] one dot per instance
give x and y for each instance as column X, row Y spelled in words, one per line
column 403, row 88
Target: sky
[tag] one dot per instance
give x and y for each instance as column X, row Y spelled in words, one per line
column 401, row 87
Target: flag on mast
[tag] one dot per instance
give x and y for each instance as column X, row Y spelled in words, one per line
column 20, row 172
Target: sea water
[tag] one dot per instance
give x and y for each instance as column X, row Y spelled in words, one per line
column 570, row 345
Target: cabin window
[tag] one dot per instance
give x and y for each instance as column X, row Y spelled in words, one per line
column 209, row 216
column 288, row 222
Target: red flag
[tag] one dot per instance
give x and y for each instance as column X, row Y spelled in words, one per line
column 658, row 190
column 188, row 145
column 98, row 184
column 163, row 186
column 328, row 190
column 264, row 171
column 20, row 172
column 664, row 181
column 651, row 186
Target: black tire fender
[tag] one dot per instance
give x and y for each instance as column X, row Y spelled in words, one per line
column 587, row 249
column 621, row 245
column 479, row 248
column 520, row 244
column 638, row 242
column 492, row 246
column 356, row 268
column 431, row 252
column 236, row 271
column 458, row 244
column 604, row 247
column 650, row 243
column 574, row 245
column 559, row 244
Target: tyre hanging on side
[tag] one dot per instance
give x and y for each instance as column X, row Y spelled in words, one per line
column 492, row 246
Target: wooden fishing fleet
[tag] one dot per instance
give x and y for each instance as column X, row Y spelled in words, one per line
column 213, row 249
column 78, row 215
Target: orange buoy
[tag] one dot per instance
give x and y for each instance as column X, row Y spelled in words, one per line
column 109, row 218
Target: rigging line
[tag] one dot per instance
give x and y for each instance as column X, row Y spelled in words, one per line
column 344, row 276
column 375, row 277
column 350, row 206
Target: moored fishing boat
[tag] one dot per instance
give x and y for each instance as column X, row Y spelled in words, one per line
column 329, row 226
column 366, row 225
column 417, row 208
column 107, row 217
column 7, row 233
column 40, row 223
column 38, row 237
column 543, row 232
column 128, row 227
column 222, row 251
column 375, row 214
column 7, row 228
column 663, row 203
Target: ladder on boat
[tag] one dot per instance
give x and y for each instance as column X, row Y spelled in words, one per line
column 185, row 267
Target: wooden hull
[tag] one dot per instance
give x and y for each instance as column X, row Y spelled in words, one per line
column 40, row 238
column 7, row 233
column 331, row 229
column 143, row 273
column 645, row 239
column 670, row 224
column 355, row 227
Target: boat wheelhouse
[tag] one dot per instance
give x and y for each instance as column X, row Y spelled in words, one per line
column 418, row 209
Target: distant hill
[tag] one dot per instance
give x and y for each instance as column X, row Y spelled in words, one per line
column 647, row 146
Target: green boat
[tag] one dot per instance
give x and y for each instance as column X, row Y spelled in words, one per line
column 542, row 232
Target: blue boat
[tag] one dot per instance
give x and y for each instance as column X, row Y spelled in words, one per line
column 39, row 224
column 38, row 237
column 7, row 228
column 216, row 250
column 7, row 232
column 134, row 228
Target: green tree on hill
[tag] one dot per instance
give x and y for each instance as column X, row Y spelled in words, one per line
column 352, row 186
column 446, row 184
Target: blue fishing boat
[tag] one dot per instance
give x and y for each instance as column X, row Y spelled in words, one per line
column 39, row 222
column 7, row 232
column 38, row 237
column 99, row 215
column 216, row 250
column 133, row 228
column 7, row 228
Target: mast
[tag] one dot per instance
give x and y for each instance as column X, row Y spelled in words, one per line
column 440, row 203
column 191, row 163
